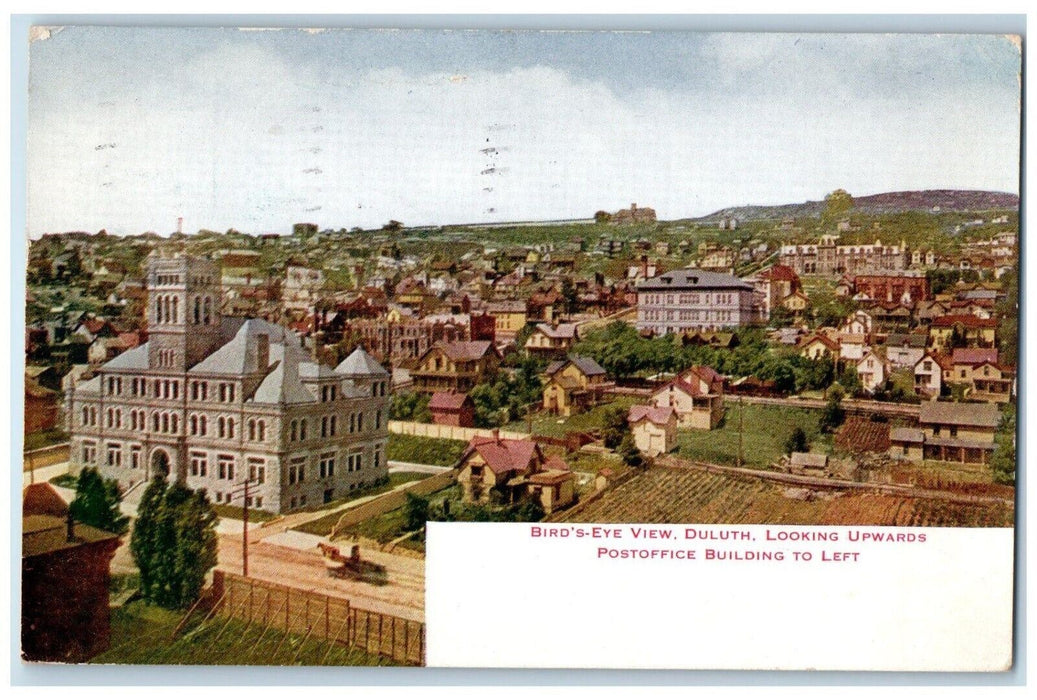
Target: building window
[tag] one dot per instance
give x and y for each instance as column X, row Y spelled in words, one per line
column 324, row 426
column 199, row 464
column 252, row 430
column 262, row 431
column 295, row 431
column 360, row 422
column 221, row 427
column 203, row 426
column 257, row 470
column 378, row 420
column 353, row 462
column 302, row 429
column 297, row 470
column 135, row 457
column 114, row 458
column 89, row 452
column 225, row 465
column 334, row 425
column 327, row 465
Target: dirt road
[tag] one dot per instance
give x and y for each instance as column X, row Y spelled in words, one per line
column 403, row 595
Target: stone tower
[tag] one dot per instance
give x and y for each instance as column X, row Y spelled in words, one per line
column 183, row 312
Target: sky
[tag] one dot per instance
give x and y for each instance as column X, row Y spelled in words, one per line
column 131, row 128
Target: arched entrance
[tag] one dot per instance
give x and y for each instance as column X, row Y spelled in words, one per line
column 159, row 463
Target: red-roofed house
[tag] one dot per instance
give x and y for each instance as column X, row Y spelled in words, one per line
column 452, row 408
column 979, row 371
column 654, row 429
column 929, row 374
column 817, row 346
column 696, row 395
column 514, row 469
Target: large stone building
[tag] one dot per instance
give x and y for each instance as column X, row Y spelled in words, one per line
column 827, row 257
column 694, row 300
column 215, row 402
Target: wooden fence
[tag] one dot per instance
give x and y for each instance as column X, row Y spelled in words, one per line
column 449, row 432
column 317, row 616
column 45, row 456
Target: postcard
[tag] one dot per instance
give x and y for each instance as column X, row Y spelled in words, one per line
column 660, row 350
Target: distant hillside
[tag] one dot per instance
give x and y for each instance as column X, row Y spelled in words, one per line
column 885, row 203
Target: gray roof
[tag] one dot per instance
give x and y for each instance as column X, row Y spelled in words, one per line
column 135, row 358
column 809, row 459
column 361, row 364
column 232, row 357
column 91, row 386
column 984, row 415
column 585, row 364
column 912, row 340
column 691, row 278
column 906, row 435
column 282, row 385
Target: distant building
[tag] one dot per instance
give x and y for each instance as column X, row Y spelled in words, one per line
column 694, row 300
column 552, row 339
column 634, row 215
column 573, row 385
column 827, row 257
column 456, row 367
column 697, row 397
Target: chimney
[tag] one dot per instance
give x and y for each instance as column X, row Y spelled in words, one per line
column 633, row 207
column 644, row 266
column 179, row 224
column 496, row 435
column 262, row 352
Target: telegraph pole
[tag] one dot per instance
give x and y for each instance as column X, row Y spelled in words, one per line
column 741, row 411
column 244, row 532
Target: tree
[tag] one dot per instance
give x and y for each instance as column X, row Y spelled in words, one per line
column 602, row 217
column 410, row 406
column 614, row 427
column 797, row 441
column 832, row 416
column 837, row 203
column 569, row 296
column 1002, row 462
column 96, row 502
column 1008, row 319
column 850, row 381
column 628, row 451
column 173, row 543
column 415, row 511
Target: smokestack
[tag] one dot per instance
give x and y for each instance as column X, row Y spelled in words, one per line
column 179, row 224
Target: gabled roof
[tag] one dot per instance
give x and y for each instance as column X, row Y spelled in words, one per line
column 282, row 384
column 653, row 414
column 562, row 330
column 823, row 339
column 966, row 321
column 448, row 401
column 974, row 356
column 502, row 455
column 361, row 364
column 983, row 415
column 680, row 385
column 42, row 499
column 465, row 350
column 911, row 340
column 586, row 365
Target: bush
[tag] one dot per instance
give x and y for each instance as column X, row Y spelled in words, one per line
column 797, row 441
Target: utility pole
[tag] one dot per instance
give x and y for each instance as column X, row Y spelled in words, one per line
column 741, row 411
column 244, row 531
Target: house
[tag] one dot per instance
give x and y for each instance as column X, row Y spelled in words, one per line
column 573, row 385
column 852, row 347
column 797, row 302
column 904, row 350
column 514, row 469
column 872, row 371
column 455, row 366
column 633, row 215
column 104, row 349
column 956, row 330
column 552, row 339
column 858, row 323
column 928, row 373
column 949, row 432
column 509, row 317
column 451, row 408
column 65, row 581
column 985, row 379
column 697, row 396
column 209, row 399
column 775, row 284
column 654, row 429
column 817, row 346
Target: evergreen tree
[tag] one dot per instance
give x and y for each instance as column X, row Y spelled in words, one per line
column 96, row 502
column 797, row 441
column 173, row 543
column 1003, row 460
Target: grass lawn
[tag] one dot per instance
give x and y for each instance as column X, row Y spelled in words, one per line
column 141, row 634
column 322, row 526
column 66, row 481
column 558, row 426
column 388, row 526
column 424, row 450
column 765, row 429
column 236, row 513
